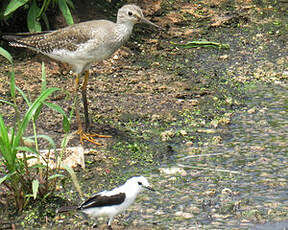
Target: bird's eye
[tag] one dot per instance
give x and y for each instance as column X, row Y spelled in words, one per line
column 140, row 183
column 130, row 13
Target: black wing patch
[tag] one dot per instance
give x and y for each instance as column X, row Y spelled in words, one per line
column 100, row 201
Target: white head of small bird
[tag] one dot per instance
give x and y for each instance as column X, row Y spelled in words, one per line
column 139, row 183
column 132, row 14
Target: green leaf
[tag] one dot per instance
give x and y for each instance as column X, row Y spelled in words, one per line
column 195, row 44
column 30, row 158
column 30, row 113
column 27, row 149
column 70, row 4
column 35, row 187
column 55, row 176
column 43, row 80
column 14, row 5
column 7, row 102
column 6, row 54
column 28, row 141
column 32, row 21
column 39, row 166
column 43, row 87
column 12, row 85
column 49, row 139
column 23, row 95
column 44, row 7
column 6, row 149
column 37, row 113
column 45, row 19
column 66, row 123
column 6, row 177
column 55, row 107
column 65, row 11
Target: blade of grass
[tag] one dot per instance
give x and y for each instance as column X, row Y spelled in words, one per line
column 66, row 123
column 45, row 19
column 74, row 179
column 43, row 8
column 6, row 54
column 35, row 187
column 30, row 112
column 7, row 176
column 27, row 149
column 32, row 21
column 12, row 86
column 23, row 95
column 65, row 11
column 43, row 80
column 55, row 176
column 7, row 102
column 47, row 138
column 5, row 146
column 13, row 6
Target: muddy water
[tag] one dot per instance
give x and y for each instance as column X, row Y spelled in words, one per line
column 240, row 183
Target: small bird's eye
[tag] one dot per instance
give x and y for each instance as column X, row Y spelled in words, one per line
column 130, row 13
column 140, row 183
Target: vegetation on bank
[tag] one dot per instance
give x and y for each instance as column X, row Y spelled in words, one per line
column 35, row 11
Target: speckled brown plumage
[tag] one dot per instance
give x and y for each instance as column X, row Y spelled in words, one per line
column 46, row 42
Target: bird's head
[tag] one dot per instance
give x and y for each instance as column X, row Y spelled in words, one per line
column 140, row 183
column 132, row 14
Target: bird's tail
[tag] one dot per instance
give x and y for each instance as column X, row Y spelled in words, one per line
column 22, row 39
column 67, row 208
column 14, row 40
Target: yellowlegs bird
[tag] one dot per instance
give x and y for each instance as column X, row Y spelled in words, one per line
column 82, row 44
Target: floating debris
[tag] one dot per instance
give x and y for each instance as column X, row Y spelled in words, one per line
column 195, row 44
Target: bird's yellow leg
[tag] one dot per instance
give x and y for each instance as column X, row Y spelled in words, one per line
column 80, row 131
column 76, row 103
column 83, row 135
column 80, row 127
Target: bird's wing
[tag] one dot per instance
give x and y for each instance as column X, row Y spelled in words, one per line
column 101, row 200
column 68, row 38
column 66, row 209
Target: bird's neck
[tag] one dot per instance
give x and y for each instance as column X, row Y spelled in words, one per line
column 130, row 190
column 124, row 30
column 130, row 197
column 132, row 193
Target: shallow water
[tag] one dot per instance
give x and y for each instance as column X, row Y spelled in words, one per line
column 236, row 184
column 275, row 226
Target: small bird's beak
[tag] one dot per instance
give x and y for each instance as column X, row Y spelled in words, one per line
column 146, row 21
column 150, row 188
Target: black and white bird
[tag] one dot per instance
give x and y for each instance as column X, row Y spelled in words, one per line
column 111, row 203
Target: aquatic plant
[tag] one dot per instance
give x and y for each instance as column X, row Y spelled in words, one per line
column 35, row 13
column 23, row 179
